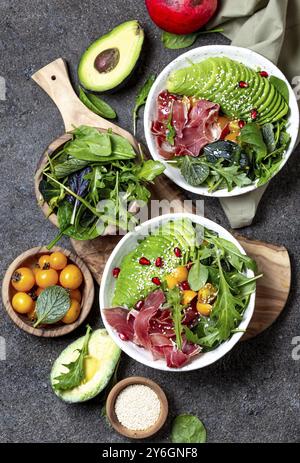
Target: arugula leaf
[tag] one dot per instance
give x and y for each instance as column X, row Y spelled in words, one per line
column 52, row 305
column 229, row 177
column 176, row 42
column 97, row 105
column 188, row 429
column 251, row 136
column 149, row 170
column 174, row 302
column 141, row 99
column 281, row 86
column 198, row 276
column 75, row 374
column 171, row 133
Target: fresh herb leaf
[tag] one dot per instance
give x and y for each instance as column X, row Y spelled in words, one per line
column 174, row 303
column 75, row 374
column 97, row 105
column 281, row 86
column 269, row 137
column 188, row 429
column 68, row 167
column 141, row 99
column 194, row 171
column 251, row 136
column 222, row 149
column 149, row 170
column 176, row 42
column 226, row 177
column 198, row 276
column 171, row 132
column 52, row 305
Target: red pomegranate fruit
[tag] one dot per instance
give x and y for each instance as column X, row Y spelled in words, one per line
column 181, row 16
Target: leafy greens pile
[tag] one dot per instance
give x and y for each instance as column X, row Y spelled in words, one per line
column 219, row 262
column 256, row 157
column 89, row 183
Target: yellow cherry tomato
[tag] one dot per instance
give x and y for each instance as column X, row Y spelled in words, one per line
column 22, row 302
column 44, row 262
column 46, row 278
column 58, row 260
column 32, row 314
column 73, row 312
column 204, row 309
column 180, row 274
column 23, row 279
column 171, row 281
column 232, row 136
column 71, row 277
column 75, row 294
column 207, row 294
column 187, row 296
column 35, row 269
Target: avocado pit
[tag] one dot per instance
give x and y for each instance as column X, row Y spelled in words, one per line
column 107, row 60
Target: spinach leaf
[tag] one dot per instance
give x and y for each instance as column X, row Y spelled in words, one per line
column 198, row 276
column 149, row 170
column 194, row 171
column 227, row 150
column 269, row 137
column 49, row 190
column 78, row 232
column 121, row 148
column 188, row 429
column 69, row 166
column 79, row 185
column 89, row 144
column 75, row 374
column 251, row 136
column 176, row 42
column 51, row 306
column 282, row 87
column 174, row 302
column 141, row 99
column 97, row 105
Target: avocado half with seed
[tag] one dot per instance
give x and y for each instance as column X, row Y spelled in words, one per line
column 111, row 59
column 99, row 366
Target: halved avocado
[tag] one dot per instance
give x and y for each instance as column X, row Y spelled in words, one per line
column 99, row 366
column 110, row 60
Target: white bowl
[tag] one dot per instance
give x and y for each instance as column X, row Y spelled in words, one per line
column 126, row 245
column 243, row 55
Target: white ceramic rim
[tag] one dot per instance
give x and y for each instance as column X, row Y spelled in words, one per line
column 245, row 56
column 140, row 354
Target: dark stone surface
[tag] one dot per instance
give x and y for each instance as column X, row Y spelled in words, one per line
column 252, row 395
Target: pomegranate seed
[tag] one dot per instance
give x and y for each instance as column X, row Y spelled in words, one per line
column 264, row 74
column 159, row 262
column 177, row 252
column 144, row 261
column 185, row 286
column 242, row 124
column 243, row 84
column 139, row 305
column 116, row 272
column 123, row 337
column 254, row 114
column 156, row 281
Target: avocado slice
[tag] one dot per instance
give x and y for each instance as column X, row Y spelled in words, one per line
column 135, row 280
column 99, row 366
column 111, row 59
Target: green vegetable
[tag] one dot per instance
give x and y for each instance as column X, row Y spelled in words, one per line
column 52, row 305
column 175, row 42
column 251, row 135
column 97, row 105
column 188, row 429
column 194, row 171
column 198, row 276
column 282, row 87
column 174, row 303
column 149, row 170
column 75, row 374
column 141, row 99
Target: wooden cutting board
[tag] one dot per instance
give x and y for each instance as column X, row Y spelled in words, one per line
column 273, row 261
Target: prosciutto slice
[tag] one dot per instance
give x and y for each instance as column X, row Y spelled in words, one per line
column 152, row 328
column 195, row 125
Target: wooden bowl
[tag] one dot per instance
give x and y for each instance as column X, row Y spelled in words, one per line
column 110, row 408
column 29, row 258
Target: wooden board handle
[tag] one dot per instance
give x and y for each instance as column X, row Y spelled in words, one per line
column 54, row 80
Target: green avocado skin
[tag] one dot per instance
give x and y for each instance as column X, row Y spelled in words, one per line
column 217, row 79
column 103, row 349
column 135, row 280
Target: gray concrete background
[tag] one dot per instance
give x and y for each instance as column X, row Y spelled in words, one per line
column 252, row 395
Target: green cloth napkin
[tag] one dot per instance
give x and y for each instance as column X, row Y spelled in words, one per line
column 271, row 28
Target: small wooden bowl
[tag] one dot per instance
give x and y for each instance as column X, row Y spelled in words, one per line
column 110, row 408
column 29, row 258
